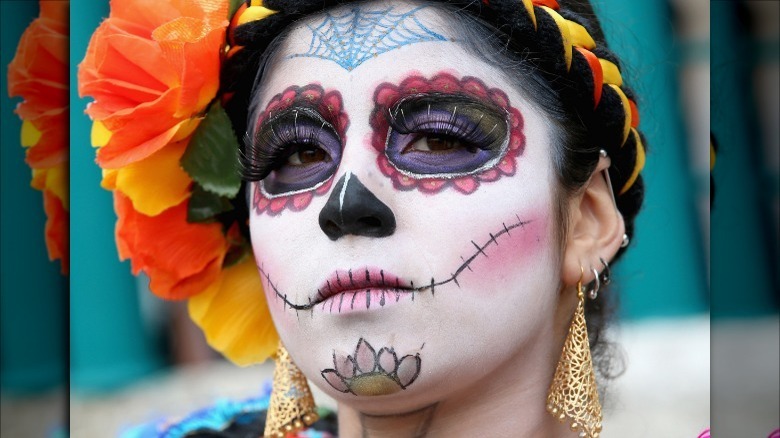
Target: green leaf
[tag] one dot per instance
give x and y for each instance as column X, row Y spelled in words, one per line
column 204, row 206
column 211, row 158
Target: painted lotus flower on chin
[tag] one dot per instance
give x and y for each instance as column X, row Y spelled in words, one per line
column 370, row 373
column 388, row 94
column 39, row 74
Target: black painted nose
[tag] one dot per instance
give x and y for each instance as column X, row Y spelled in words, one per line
column 353, row 209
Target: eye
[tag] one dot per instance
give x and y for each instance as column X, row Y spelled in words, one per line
column 438, row 143
column 306, row 155
column 295, row 151
column 437, row 135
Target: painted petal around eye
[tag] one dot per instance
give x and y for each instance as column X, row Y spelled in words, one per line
column 499, row 98
column 404, row 181
column 507, row 166
column 415, row 85
column 432, row 185
column 516, row 142
column 302, row 200
column 312, row 94
column 466, row 184
column 489, row 175
column 332, row 102
column 446, row 83
column 333, row 379
column 475, row 87
column 277, row 204
column 386, row 95
column 385, row 166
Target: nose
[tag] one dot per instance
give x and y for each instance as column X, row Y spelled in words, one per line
column 353, row 209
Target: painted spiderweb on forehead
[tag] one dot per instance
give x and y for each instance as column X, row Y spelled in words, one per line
column 357, row 35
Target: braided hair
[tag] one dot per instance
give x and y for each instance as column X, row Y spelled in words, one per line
column 558, row 49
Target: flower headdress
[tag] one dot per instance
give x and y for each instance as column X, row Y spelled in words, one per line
column 169, row 155
column 38, row 73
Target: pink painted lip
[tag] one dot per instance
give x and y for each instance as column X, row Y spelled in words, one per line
column 343, row 288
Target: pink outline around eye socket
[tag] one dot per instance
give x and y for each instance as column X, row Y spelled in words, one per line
column 387, row 95
column 329, row 105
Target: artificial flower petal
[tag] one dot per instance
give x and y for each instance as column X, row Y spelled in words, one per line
column 151, row 67
column 109, row 179
column 30, row 134
column 234, row 315
column 156, row 183
column 181, row 259
column 100, row 135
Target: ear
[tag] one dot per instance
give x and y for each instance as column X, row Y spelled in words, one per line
column 595, row 229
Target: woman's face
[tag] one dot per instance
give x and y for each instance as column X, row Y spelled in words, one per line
column 406, row 234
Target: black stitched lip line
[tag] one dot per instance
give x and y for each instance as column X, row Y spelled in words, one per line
column 479, row 250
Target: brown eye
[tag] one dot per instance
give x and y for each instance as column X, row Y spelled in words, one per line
column 438, row 143
column 307, row 155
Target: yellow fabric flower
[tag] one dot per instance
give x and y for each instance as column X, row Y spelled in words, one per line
column 234, row 315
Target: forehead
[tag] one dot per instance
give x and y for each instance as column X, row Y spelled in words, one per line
column 355, row 47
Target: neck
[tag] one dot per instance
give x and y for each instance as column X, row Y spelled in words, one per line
column 509, row 402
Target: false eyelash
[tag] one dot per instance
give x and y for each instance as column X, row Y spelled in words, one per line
column 463, row 128
column 270, row 146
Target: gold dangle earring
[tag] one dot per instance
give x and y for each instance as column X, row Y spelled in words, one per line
column 292, row 406
column 573, row 393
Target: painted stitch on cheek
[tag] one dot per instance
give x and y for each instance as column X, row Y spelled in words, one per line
column 510, row 248
column 501, row 246
column 451, row 132
column 297, row 148
column 358, row 35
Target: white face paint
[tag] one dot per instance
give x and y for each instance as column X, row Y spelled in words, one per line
column 467, row 283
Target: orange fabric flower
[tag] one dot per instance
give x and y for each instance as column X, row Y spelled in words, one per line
column 180, row 258
column 39, row 74
column 151, row 66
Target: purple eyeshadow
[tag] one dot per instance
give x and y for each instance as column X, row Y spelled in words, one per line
column 287, row 133
column 479, row 131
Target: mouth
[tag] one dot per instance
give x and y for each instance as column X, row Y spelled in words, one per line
column 364, row 288
column 361, row 289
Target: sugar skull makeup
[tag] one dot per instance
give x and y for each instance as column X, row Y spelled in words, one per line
column 445, row 132
column 296, row 148
column 365, row 242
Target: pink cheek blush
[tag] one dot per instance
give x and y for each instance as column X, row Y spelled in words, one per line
column 515, row 246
